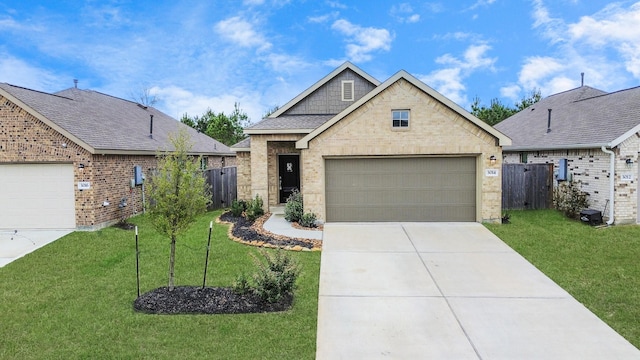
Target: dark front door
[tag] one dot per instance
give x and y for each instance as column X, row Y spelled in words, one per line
column 289, row 175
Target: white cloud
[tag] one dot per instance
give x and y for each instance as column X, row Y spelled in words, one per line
column 480, row 3
column 404, row 13
column 511, row 92
column 336, row 5
column 323, row 18
column 176, row 101
column 18, row 72
column 362, row 41
column 449, row 80
column 604, row 46
column 241, row 32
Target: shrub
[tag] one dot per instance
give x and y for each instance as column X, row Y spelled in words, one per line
column 254, row 208
column 238, row 207
column 569, row 199
column 308, row 220
column 241, row 285
column 276, row 275
column 293, row 209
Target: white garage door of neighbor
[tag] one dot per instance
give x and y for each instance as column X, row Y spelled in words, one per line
column 37, row 196
column 401, row 189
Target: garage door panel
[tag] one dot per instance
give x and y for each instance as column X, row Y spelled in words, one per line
column 401, row 189
column 37, row 196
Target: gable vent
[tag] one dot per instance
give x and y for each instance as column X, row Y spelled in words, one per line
column 347, row 90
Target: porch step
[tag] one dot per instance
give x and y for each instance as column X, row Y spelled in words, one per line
column 276, row 209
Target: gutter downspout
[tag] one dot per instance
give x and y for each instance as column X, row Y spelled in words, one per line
column 612, row 180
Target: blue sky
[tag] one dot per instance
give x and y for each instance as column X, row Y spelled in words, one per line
column 195, row 55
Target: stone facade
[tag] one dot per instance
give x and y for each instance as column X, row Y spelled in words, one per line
column 24, row 139
column 591, row 169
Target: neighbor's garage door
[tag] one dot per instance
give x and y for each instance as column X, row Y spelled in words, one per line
column 37, row 196
column 401, row 189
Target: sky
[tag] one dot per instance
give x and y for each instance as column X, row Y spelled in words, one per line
column 195, row 55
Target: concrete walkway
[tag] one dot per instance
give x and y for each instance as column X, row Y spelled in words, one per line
column 446, row 291
column 16, row 244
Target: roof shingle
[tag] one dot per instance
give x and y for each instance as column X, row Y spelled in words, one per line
column 110, row 124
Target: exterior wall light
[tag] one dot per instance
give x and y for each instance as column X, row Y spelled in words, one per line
column 492, row 159
column 629, row 162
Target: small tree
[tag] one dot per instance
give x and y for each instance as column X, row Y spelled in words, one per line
column 178, row 192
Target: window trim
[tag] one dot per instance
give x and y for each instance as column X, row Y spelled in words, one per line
column 348, row 83
column 400, row 119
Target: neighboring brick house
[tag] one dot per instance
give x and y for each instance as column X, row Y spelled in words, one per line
column 361, row 150
column 67, row 159
column 588, row 135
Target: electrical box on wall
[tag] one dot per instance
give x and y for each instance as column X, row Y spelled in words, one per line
column 137, row 174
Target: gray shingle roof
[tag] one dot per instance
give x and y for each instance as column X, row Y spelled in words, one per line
column 109, row 124
column 582, row 117
column 293, row 122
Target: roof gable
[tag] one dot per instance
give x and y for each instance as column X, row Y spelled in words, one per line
column 503, row 140
column 346, row 68
column 105, row 124
column 591, row 118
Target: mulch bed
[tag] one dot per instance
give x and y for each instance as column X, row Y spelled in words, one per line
column 210, row 300
column 253, row 233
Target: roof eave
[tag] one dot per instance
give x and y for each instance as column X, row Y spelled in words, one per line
column 556, row 147
column 277, row 131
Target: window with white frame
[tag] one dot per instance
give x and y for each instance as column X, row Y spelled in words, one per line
column 400, row 118
column 347, row 90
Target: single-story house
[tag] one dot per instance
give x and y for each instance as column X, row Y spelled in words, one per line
column 592, row 137
column 363, row 150
column 73, row 159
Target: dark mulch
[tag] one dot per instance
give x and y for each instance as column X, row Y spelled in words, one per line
column 210, row 300
column 245, row 230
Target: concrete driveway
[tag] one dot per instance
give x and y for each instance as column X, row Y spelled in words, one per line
column 446, row 291
column 15, row 244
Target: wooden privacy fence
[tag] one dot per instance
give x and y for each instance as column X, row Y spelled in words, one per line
column 224, row 186
column 527, row 186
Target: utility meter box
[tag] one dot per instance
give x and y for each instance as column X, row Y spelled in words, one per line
column 137, row 175
column 562, row 170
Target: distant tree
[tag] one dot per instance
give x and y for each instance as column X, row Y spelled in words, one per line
column 226, row 129
column 534, row 96
column 492, row 114
column 178, row 192
column 497, row 111
column 271, row 111
column 145, row 97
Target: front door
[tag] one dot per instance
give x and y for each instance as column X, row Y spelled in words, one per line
column 289, row 175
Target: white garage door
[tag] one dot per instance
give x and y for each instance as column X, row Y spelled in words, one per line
column 401, row 189
column 37, row 196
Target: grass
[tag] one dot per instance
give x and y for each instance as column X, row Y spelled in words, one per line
column 73, row 299
column 599, row 267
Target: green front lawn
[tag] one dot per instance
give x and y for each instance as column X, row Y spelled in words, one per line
column 73, row 299
column 599, row 267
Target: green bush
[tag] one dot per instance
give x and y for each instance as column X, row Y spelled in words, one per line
column 293, row 209
column 569, row 199
column 238, row 207
column 276, row 275
column 254, row 208
column 308, row 220
column 241, row 285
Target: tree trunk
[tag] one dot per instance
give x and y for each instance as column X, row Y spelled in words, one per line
column 172, row 262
